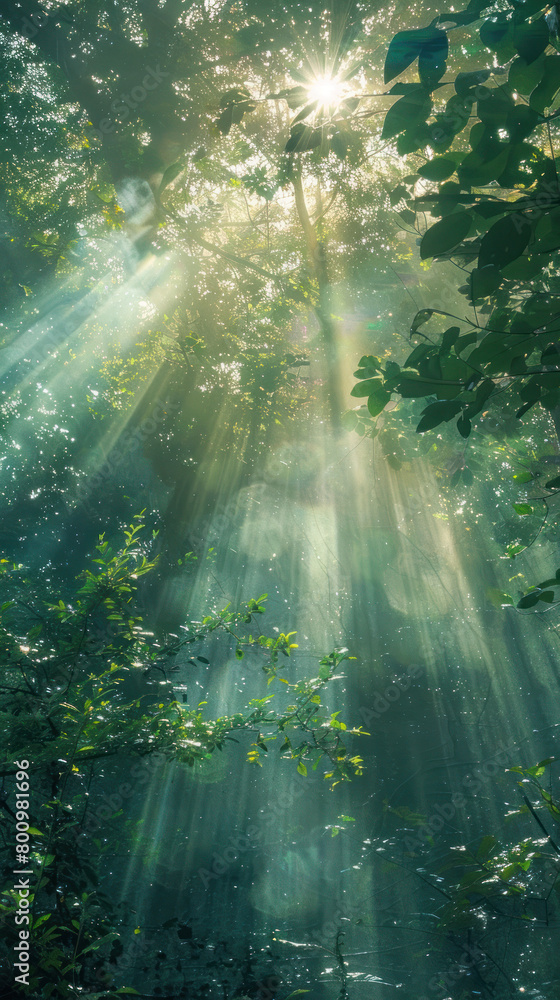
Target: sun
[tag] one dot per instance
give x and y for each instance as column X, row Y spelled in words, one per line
column 327, row 91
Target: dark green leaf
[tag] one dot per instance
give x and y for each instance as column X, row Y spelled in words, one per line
column 305, row 112
column 544, row 94
column 415, row 387
column 493, row 31
column 465, row 81
column 485, row 848
column 530, row 600
column 505, row 241
column 406, row 113
column 418, row 354
column 437, row 413
column 530, row 40
column 484, row 281
column 422, row 316
column 431, row 62
column 445, row 235
column 170, row 174
column 464, row 426
column 403, row 50
column 480, row 167
column 524, row 77
column 303, row 138
column 438, row 169
column 378, row 399
column 493, row 106
column 365, row 388
column 449, row 339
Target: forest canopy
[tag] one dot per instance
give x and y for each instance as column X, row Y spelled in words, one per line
column 279, row 338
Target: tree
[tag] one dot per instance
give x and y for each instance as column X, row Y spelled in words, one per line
column 488, row 174
column 86, row 682
column 484, row 167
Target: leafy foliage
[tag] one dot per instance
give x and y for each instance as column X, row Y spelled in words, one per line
column 496, row 195
column 85, row 682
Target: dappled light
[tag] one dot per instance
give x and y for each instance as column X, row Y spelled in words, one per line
column 280, row 415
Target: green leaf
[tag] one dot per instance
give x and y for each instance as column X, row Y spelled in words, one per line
column 530, row 40
column 498, row 598
column 437, row 413
column 464, row 426
column 414, row 387
column 544, row 94
column 438, row 169
column 365, row 387
column 484, row 281
column 445, row 234
column 303, row 138
column 340, row 142
column 407, row 113
column 482, row 166
column 422, row 316
column 504, row 242
column 302, row 769
column 493, row 31
column 305, row 112
column 493, row 107
column 485, row 848
column 553, row 484
column 431, row 61
column 464, row 82
column 378, row 399
column 234, row 111
column 524, row 77
column 170, row 174
column 403, row 49
column 523, row 509
column 529, row 600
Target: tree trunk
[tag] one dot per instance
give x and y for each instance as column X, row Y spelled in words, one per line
column 317, row 257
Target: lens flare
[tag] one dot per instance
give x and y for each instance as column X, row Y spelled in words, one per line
column 326, row 90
